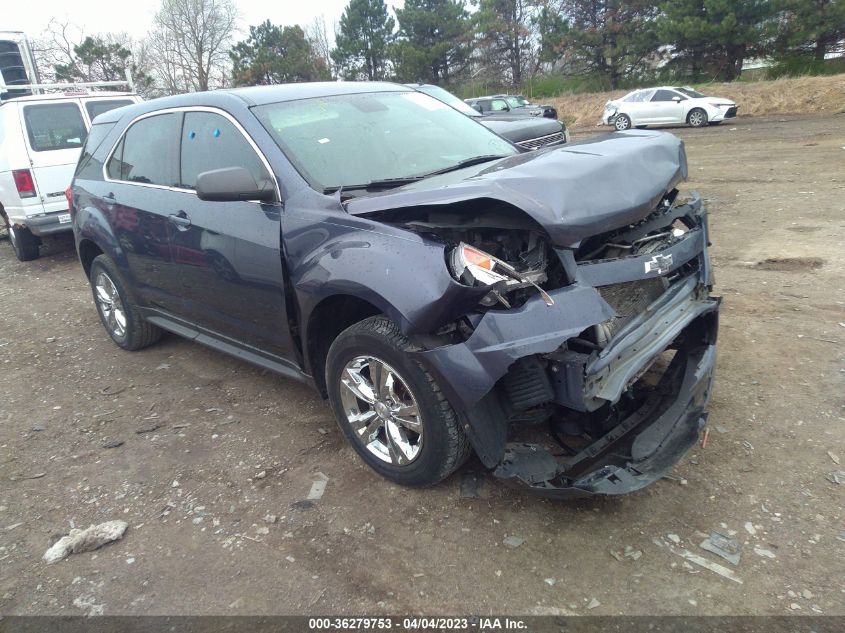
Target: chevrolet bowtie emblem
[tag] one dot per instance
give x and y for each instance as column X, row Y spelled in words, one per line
column 659, row 264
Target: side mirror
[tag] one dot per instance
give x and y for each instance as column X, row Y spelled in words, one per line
column 676, row 99
column 478, row 107
column 232, row 184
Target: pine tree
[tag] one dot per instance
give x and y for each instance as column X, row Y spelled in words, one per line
column 363, row 40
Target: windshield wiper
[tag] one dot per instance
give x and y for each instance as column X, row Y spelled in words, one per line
column 387, row 183
column 467, row 162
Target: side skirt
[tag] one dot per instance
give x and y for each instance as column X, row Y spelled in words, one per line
column 226, row 345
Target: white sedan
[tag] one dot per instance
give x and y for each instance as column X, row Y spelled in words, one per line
column 667, row 106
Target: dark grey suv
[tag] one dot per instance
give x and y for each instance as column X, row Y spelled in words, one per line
column 444, row 290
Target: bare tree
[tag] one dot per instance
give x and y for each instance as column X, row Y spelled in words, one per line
column 190, row 43
column 317, row 33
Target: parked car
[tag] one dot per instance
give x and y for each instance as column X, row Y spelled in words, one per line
column 515, row 104
column 444, row 291
column 526, row 132
column 667, row 106
column 41, row 137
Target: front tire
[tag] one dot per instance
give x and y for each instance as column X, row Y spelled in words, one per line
column 24, row 243
column 390, row 408
column 117, row 307
column 622, row 122
column 697, row 118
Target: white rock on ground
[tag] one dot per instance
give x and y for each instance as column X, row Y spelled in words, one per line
column 86, row 540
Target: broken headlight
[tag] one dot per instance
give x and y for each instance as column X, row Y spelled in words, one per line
column 474, row 267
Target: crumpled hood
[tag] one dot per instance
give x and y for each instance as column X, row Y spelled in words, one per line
column 574, row 191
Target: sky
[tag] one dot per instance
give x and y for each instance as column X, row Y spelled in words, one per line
column 135, row 16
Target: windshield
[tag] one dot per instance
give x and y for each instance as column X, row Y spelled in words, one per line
column 351, row 140
column 449, row 99
column 516, row 102
column 690, row 93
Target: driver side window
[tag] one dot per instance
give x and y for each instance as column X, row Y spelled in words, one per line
column 210, row 141
column 497, row 105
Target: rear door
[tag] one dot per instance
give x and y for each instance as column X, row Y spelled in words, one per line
column 230, row 258
column 138, row 197
column 55, row 132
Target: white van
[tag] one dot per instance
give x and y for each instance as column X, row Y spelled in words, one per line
column 41, row 137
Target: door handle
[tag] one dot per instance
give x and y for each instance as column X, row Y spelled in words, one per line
column 180, row 219
column 109, row 198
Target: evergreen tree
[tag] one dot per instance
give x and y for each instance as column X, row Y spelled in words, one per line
column 506, row 38
column 608, row 38
column 273, row 54
column 100, row 59
column 716, row 36
column 363, row 40
column 807, row 31
column 433, row 40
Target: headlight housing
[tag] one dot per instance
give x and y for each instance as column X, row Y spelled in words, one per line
column 474, row 267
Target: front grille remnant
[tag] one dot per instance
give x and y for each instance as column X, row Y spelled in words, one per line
column 541, row 141
column 628, row 300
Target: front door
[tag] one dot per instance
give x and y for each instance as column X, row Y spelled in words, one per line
column 229, row 252
column 665, row 107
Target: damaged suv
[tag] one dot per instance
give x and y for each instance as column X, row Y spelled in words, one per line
column 443, row 289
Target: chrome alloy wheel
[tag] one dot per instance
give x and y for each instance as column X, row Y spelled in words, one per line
column 622, row 123
column 382, row 410
column 696, row 119
column 110, row 305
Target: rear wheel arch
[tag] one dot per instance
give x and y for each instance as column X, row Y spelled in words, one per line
column 88, row 251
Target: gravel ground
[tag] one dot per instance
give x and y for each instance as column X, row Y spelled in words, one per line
column 210, row 460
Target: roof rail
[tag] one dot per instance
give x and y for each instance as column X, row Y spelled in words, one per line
column 38, row 87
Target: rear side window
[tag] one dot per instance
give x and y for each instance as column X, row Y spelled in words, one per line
column 54, row 126
column 665, row 95
column 146, row 153
column 96, row 137
column 98, row 106
column 211, row 141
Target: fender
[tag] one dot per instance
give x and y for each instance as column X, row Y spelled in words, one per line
column 92, row 225
column 344, row 255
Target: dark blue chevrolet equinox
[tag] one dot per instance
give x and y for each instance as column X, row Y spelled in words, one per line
column 445, row 290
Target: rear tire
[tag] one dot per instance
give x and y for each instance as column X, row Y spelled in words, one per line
column 402, row 426
column 117, row 308
column 24, row 243
column 622, row 122
column 697, row 118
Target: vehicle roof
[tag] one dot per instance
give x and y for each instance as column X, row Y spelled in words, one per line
column 255, row 96
column 58, row 96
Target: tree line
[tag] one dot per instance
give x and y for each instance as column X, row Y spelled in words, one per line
column 194, row 44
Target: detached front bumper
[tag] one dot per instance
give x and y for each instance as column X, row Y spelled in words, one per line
column 641, row 449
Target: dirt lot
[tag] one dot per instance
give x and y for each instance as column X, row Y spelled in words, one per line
column 235, row 444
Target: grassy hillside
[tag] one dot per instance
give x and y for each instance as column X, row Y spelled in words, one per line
column 798, row 95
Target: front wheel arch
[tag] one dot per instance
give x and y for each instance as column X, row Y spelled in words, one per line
column 327, row 320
